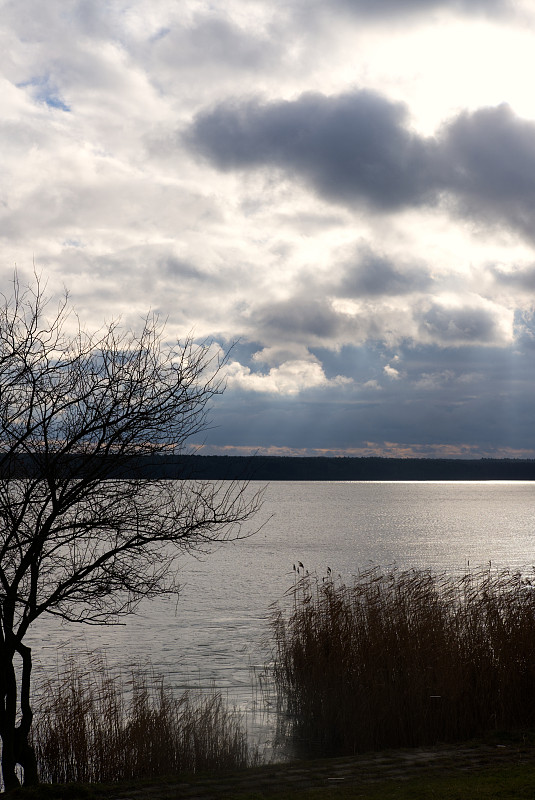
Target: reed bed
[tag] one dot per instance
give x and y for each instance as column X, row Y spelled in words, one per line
column 404, row 658
column 93, row 726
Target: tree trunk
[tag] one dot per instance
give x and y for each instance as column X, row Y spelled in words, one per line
column 16, row 749
column 24, row 752
column 9, row 762
column 25, row 756
column 8, row 713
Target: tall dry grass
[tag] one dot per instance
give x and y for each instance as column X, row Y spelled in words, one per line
column 405, row 658
column 92, row 726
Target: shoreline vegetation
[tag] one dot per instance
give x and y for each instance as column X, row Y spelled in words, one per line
column 94, row 724
column 397, row 659
column 404, row 658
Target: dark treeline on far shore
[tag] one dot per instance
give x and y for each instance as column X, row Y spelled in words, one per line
column 293, row 468
column 317, row 468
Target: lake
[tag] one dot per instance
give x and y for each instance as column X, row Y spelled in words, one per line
column 219, row 627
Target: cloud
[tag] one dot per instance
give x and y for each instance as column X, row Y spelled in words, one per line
column 335, row 186
column 43, row 90
column 434, row 380
column 358, row 149
column 388, row 8
column 273, row 356
column 372, row 385
column 306, row 319
column 352, row 148
column 288, row 379
column 371, row 274
column 391, row 372
column 455, row 395
column 488, row 165
column 469, row 324
column 212, row 40
column 521, row 278
column 299, row 318
column 525, row 330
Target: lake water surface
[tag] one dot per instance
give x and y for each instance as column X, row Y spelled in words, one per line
column 219, row 627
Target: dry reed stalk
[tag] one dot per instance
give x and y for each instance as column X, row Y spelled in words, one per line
column 403, row 658
column 92, row 726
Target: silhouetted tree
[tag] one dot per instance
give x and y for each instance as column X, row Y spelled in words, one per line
column 82, row 535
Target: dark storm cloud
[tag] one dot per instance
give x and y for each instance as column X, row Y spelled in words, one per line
column 373, row 275
column 357, row 148
column 352, row 147
column 488, row 163
column 452, row 325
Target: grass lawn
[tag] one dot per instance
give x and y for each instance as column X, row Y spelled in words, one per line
column 479, row 771
column 513, row 783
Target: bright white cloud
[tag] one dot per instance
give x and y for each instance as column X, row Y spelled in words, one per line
column 288, row 379
column 391, row 372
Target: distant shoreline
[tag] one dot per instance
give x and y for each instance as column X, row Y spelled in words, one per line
column 275, row 468
column 319, row 468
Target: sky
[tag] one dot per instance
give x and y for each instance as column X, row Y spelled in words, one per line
column 340, row 195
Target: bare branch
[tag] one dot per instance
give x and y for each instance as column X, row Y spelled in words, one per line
column 82, row 535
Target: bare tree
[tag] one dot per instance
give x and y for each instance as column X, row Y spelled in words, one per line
column 82, row 535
